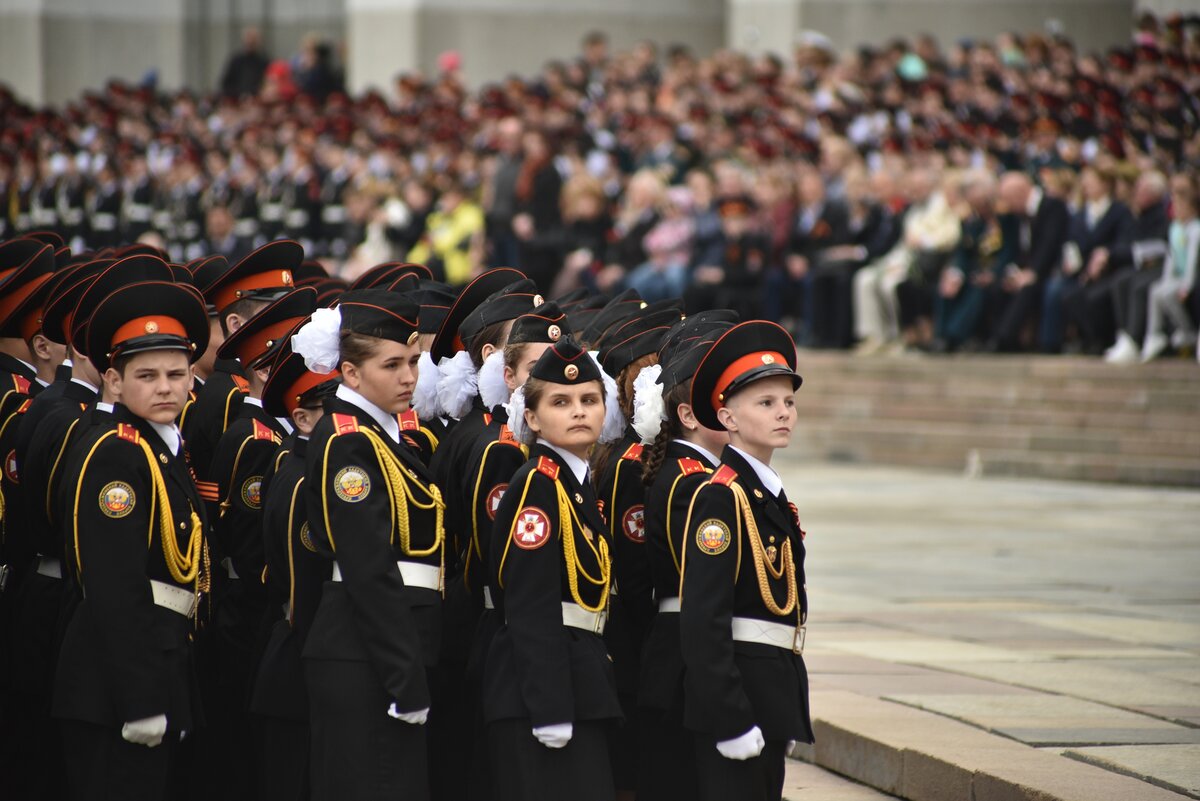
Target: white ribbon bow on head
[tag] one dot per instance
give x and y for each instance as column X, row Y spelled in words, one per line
column 319, row 339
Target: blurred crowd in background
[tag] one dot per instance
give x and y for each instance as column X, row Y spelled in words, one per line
column 1005, row 195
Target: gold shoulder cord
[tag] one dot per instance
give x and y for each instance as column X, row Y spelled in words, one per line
column 567, row 519
column 474, row 546
column 687, row 526
column 433, row 440
column 184, row 567
column 292, row 554
column 54, row 470
column 762, row 563
column 400, row 495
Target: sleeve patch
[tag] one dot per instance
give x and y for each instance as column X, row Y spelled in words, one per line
column 117, row 499
column 712, row 537
column 252, row 492
column 493, row 500
column 306, row 538
column 10, row 467
column 634, row 523
column 352, row 484
column 531, row 529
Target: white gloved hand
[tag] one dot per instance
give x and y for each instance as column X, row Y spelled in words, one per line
column 147, row 731
column 746, row 746
column 415, row 718
column 556, row 735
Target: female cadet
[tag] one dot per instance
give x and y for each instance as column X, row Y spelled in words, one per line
column 742, row 594
column 548, row 688
column 373, row 509
column 681, row 455
column 124, row 688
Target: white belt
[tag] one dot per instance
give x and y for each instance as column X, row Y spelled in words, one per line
column 577, row 617
column 414, row 574
column 669, row 604
column 177, row 599
column 780, row 635
column 487, row 598
column 287, row 610
column 49, row 567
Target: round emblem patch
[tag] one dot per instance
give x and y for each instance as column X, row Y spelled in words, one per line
column 493, row 500
column 151, row 327
column 252, row 492
column 351, row 484
column 634, row 523
column 531, row 528
column 305, row 538
column 712, row 536
column 117, row 499
column 10, row 467
column 553, row 333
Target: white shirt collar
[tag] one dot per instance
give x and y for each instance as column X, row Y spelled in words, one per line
column 83, row 383
column 253, row 401
column 104, row 406
column 768, row 477
column 286, row 423
column 712, row 459
column 1035, row 200
column 579, row 467
column 386, row 421
column 169, row 434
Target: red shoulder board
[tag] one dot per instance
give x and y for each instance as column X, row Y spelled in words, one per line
column 242, row 384
column 25, row 406
column 691, row 466
column 21, row 383
column 547, row 467
column 724, row 475
column 344, row 424
column 263, row 431
column 506, row 436
column 128, row 433
column 487, row 419
column 409, row 420
column 634, row 453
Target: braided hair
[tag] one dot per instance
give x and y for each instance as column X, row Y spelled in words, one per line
column 603, row 454
column 656, row 451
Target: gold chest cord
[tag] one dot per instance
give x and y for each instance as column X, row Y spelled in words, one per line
column 762, row 563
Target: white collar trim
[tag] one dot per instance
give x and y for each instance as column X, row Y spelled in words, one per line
column 388, row 423
column 769, row 478
column 578, row 466
column 712, row 459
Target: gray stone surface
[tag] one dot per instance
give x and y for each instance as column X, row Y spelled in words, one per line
column 1170, row 766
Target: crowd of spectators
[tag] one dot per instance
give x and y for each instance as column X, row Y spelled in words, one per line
column 1014, row 194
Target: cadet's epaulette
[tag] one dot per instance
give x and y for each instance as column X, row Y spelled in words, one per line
column 506, row 436
column 21, row 383
column 242, row 384
column 691, row 466
column 547, row 466
column 24, row 407
column 409, row 420
column 487, row 419
column 128, row 433
column 724, row 475
column 634, row 453
column 344, row 424
column 263, row 431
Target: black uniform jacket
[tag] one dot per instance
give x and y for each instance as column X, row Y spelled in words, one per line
column 295, row 573
column 355, row 512
column 537, row 667
column 683, row 470
column 494, row 459
column 205, row 419
column 123, row 657
column 731, row 686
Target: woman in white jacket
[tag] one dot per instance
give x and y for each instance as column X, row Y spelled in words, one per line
column 1169, row 293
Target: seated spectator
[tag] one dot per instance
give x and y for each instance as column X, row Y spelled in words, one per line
column 986, row 246
column 1169, row 293
column 930, row 229
column 1081, row 292
column 1042, row 222
column 733, row 280
column 668, row 248
column 637, row 215
column 452, row 239
column 1144, row 254
column 538, row 218
column 915, row 294
column 583, row 248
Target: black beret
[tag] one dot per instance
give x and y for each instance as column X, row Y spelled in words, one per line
column 545, row 323
column 382, row 275
column 435, row 299
column 381, row 314
column 566, row 363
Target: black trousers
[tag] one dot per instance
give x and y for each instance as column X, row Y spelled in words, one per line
column 525, row 770
column 1010, row 311
column 283, row 774
column 101, row 766
column 668, row 763
column 357, row 750
column 721, row 779
column 832, row 288
column 1090, row 307
column 1130, row 293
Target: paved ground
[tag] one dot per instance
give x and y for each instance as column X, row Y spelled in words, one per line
column 1063, row 616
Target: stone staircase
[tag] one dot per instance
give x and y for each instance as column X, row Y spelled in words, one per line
column 1050, row 417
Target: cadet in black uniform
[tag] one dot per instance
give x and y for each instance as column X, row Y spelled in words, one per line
column 124, row 683
column 742, row 594
column 372, row 507
column 295, row 572
column 678, row 458
column 242, row 458
column 549, row 693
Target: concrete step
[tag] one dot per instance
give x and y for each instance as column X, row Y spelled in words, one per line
column 922, row 756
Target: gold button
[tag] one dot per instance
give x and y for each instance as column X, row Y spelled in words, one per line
column 578, row 498
column 771, row 540
column 571, row 372
column 758, row 494
column 162, row 457
column 183, row 524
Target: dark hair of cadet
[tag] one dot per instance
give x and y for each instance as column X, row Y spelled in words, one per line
column 656, row 451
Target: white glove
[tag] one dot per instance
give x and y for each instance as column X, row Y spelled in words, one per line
column 415, row 718
column 556, row 735
column 147, row 731
column 746, row 746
